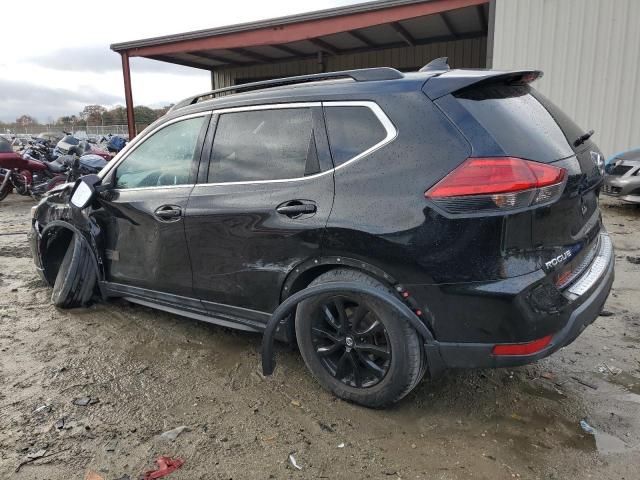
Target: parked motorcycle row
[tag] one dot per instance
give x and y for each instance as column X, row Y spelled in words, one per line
column 35, row 166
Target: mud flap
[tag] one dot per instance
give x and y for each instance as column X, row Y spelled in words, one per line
column 287, row 307
column 76, row 276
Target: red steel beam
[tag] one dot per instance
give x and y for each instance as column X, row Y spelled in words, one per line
column 128, row 96
column 305, row 30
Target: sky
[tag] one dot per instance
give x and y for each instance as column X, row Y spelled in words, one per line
column 55, row 58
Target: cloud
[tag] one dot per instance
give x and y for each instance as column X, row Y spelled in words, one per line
column 100, row 59
column 18, row 98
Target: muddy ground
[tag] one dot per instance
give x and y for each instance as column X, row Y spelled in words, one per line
column 147, row 372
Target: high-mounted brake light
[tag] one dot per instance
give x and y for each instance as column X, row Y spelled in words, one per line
column 497, row 184
column 527, row 348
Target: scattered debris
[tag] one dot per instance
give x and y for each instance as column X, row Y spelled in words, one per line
column 341, row 445
column 585, row 383
column 59, row 424
column 166, row 465
column 326, row 428
column 124, row 477
column 36, row 456
column 547, row 375
column 91, row 475
column 587, row 428
column 84, row 401
column 633, row 259
column 606, row 313
column 612, row 370
column 295, row 403
column 293, row 463
column 173, row 434
column 43, row 408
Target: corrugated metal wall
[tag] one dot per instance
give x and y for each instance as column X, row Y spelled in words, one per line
column 461, row 53
column 589, row 51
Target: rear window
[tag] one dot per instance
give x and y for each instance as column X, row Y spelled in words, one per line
column 5, row 147
column 522, row 121
column 352, row 131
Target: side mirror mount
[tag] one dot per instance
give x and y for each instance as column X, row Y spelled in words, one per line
column 84, row 190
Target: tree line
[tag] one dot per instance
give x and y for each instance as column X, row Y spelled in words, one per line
column 91, row 115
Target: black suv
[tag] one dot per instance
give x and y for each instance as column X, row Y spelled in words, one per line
column 390, row 223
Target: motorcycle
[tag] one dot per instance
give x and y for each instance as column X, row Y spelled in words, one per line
column 80, row 166
column 29, row 176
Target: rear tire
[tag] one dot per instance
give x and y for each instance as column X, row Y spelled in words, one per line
column 379, row 370
column 76, row 276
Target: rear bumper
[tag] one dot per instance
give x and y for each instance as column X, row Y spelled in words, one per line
column 585, row 309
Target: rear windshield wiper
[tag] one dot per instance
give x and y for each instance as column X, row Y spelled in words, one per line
column 583, row 138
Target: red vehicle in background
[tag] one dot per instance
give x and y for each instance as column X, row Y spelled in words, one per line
column 27, row 176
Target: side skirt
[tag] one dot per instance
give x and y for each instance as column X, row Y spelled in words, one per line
column 184, row 306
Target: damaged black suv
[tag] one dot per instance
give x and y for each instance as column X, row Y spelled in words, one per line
column 392, row 224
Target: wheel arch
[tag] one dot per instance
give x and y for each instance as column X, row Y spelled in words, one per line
column 303, row 274
column 53, row 242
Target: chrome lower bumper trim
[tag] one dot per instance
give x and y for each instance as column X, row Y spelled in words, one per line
column 594, row 272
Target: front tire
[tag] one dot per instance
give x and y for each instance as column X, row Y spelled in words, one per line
column 356, row 346
column 76, row 276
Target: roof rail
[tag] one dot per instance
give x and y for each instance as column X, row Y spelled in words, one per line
column 359, row 75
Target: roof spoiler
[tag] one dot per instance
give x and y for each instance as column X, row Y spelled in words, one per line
column 456, row 80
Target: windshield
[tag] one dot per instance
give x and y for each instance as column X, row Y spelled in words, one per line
column 71, row 140
column 5, row 147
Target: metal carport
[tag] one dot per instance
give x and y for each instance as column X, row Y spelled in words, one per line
column 404, row 34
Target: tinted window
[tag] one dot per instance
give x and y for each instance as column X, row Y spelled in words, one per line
column 518, row 122
column 352, row 130
column 262, row 145
column 165, row 158
column 5, row 147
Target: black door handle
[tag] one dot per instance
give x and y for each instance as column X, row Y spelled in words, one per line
column 295, row 208
column 168, row 213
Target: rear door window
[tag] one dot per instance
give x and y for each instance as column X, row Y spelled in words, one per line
column 352, row 130
column 258, row 145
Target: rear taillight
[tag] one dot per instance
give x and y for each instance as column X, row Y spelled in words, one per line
column 497, row 184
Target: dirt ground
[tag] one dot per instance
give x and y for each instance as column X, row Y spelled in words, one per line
column 147, row 372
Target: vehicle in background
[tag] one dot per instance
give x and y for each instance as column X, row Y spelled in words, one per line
column 20, row 143
column 80, row 166
column 115, row 144
column 71, row 145
column 27, row 175
column 390, row 223
column 623, row 176
column 51, row 137
column 66, row 143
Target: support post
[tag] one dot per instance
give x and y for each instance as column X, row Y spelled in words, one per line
column 128, row 96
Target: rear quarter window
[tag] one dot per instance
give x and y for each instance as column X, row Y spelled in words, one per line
column 352, row 130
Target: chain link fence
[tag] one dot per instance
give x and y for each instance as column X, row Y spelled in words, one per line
column 101, row 130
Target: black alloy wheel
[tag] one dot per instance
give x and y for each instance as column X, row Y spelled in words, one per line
column 351, row 342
